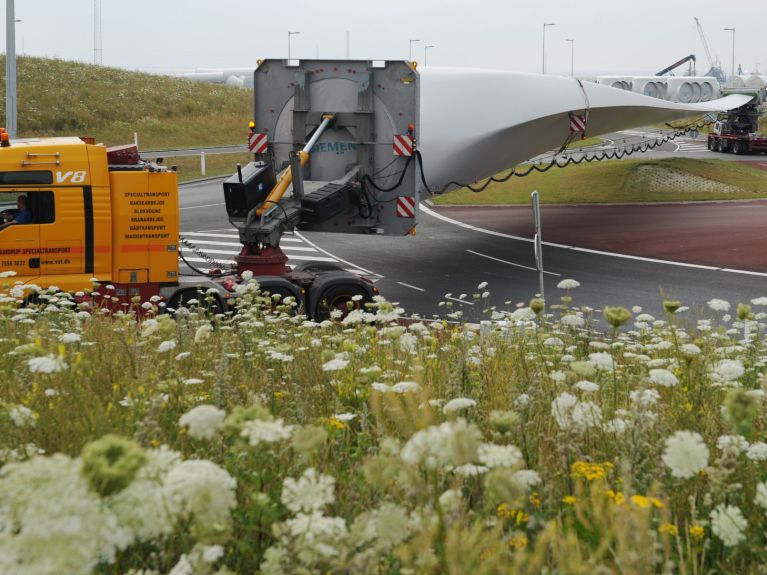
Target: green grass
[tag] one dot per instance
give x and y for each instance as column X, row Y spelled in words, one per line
column 215, row 164
column 62, row 98
column 619, row 181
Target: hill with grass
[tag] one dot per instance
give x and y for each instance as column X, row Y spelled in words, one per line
column 59, row 97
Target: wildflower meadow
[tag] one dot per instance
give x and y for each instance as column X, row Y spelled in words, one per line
column 537, row 439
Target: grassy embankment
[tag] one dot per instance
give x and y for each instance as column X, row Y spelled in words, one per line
column 63, row 98
column 673, row 179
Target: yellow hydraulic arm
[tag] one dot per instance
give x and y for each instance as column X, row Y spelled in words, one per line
column 286, row 178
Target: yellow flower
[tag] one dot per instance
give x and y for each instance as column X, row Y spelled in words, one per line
column 535, row 499
column 641, row 501
column 668, row 528
column 569, row 500
column 616, row 496
column 657, row 503
column 519, row 542
column 336, row 423
column 486, row 554
column 503, row 511
column 697, row 532
column 155, row 442
column 279, row 394
column 591, row 471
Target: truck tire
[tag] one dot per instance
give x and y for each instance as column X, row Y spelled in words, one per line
column 711, row 145
column 737, row 147
column 721, row 146
column 337, row 297
column 182, row 297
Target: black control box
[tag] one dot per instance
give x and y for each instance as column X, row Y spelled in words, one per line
column 258, row 180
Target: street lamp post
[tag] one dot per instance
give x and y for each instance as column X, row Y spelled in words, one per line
column 543, row 56
column 410, row 53
column 572, row 56
column 426, row 53
column 11, row 123
column 291, row 34
column 733, row 50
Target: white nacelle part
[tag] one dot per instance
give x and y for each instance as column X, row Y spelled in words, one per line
column 477, row 123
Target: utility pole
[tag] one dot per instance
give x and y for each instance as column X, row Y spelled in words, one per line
column 426, row 53
column 11, row 119
column 733, row 51
column 347, row 46
column 97, row 36
column 290, row 35
column 572, row 56
column 410, row 53
column 543, row 56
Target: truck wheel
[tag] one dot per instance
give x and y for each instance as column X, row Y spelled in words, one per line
column 183, row 297
column 338, row 297
column 711, row 145
column 721, row 146
column 737, row 147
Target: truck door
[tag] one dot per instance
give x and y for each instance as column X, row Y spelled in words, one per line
column 19, row 243
column 62, row 233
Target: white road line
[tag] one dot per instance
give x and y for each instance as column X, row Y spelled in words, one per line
column 287, row 249
column 326, row 252
column 203, row 206
column 233, row 236
column 411, row 286
column 434, row 214
column 511, row 263
column 459, row 300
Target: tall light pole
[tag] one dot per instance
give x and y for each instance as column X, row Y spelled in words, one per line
column 733, row 50
column 11, row 123
column 426, row 53
column 572, row 55
column 290, row 35
column 543, row 57
column 410, row 53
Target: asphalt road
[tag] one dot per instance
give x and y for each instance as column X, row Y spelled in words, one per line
column 454, row 257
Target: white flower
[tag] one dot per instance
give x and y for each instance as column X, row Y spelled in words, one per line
column 458, row 404
column 259, row 431
column 182, row 567
column 70, row 337
column 568, row 284
column 757, row 451
column 522, row 314
column 166, row 346
column 335, row 364
column 382, row 387
column 203, row 333
column 759, row 301
column 572, row 320
column 761, row 495
column 193, row 381
column 200, row 490
column 728, row 523
column 344, row 416
column 405, row 387
column 450, row 444
column 21, row 416
column 663, row 377
column 685, row 454
column 562, row 409
column 644, row 397
column 729, row 369
column 731, row 444
column 602, row 361
column 526, row 478
column 46, row 364
column 183, row 355
column 689, row 349
column 586, row 414
column 203, row 421
column 492, row 455
column 310, row 492
column 553, row 342
column 719, row 304
column 587, row 386
column 471, row 470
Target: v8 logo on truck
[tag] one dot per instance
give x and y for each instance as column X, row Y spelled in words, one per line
column 73, row 177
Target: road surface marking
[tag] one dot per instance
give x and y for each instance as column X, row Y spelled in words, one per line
column 434, row 214
column 336, row 257
column 510, row 263
column 463, row 301
column 233, row 236
column 411, row 286
column 203, row 206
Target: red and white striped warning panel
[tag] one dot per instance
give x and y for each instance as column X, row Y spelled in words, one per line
column 403, row 145
column 257, row 143
column 577, row 123
column 405, row 207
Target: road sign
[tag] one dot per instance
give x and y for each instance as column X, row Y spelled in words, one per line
column 577, row 123
column 405, row 207
column 694, row 133
column 403, row 145
column 257, row 143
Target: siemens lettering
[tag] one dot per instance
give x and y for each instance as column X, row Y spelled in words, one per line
column 336, row 147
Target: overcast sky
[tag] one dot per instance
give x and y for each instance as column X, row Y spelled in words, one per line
column 611, row 36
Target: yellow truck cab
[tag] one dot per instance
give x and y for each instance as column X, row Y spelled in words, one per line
column 91, row 213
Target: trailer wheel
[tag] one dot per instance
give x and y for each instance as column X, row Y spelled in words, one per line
column 183, row 297
column 737, row 147
column 721, row 146
column 711, row 145
column 339, row 297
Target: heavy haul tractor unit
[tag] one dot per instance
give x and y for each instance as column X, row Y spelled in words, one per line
column 735, row 132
